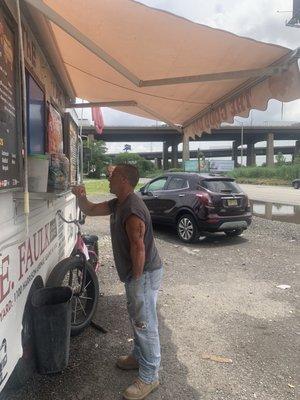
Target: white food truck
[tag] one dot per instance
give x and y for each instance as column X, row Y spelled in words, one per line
column 36, row 135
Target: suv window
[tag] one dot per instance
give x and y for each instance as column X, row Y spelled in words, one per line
column 157, row 185
column 220, row 186
column 177, row 183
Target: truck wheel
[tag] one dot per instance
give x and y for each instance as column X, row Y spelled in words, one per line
column 69, row 272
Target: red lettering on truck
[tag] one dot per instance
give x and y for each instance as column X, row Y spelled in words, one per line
column 32, row 249
column 22, row 254
column 4, row 281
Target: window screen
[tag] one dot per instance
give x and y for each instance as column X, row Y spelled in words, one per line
column 35, row 117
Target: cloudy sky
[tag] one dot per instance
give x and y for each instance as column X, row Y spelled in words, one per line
column 262, row 20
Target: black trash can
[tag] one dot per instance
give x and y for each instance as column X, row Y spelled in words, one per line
column 52, row 328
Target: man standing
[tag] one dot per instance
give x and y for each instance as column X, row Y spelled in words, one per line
column 139, row 267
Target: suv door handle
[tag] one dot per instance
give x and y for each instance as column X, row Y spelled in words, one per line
column 155, row 195
column 181, row 195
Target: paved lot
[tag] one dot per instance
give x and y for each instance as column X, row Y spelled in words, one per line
column 219, row 298
column 274, row 194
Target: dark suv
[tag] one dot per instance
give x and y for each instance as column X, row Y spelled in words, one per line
column 296, row 183
column 197, row 203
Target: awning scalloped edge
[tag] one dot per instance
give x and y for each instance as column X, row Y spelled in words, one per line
column 283, row 87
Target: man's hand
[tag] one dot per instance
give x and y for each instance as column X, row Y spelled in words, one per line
column 79, row 191
column 86, row 206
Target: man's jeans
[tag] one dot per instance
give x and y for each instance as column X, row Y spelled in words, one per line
column 141, row 305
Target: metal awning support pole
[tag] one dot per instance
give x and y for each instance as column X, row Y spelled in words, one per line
column 125, row 103
column 159, row 117
column 83, row 39
column 218, row 76
column 24, row 116
column 81, row 148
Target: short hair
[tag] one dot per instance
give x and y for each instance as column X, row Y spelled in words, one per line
column 130, row 172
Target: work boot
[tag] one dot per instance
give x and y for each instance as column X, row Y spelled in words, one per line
column 139, row 390
column 127, row 362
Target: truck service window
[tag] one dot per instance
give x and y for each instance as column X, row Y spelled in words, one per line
column 35, row 117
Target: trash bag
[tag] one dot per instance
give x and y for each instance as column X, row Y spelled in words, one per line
column 52, row 327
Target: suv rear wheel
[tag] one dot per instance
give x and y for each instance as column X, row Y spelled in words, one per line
column 187, row 228
column 296, row 185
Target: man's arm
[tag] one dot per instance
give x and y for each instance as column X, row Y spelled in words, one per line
column 135, row 228
column 88, row 208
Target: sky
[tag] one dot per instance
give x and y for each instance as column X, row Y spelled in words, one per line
column 262, row 20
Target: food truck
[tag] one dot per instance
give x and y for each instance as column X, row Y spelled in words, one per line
column 33, row 239
column 112, row 54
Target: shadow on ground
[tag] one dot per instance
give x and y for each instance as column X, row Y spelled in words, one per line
column 91, row 373
column 169, row 235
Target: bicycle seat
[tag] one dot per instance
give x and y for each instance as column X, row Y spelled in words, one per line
column 90, row 239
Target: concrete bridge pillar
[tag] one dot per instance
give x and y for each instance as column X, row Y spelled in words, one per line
column 268, row 212
column 185, row 148
column 158, row 163
column 174, row 155
column 166, row 146
column 234, row 156
column 297, row 149
column 251, row 159
column 270, row 150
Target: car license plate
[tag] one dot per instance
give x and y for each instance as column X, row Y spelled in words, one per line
column 232, row 202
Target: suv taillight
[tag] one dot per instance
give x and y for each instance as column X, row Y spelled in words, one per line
column 248, row 207
column 205, row 199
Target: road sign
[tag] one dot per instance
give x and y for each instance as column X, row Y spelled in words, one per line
column 221, row 165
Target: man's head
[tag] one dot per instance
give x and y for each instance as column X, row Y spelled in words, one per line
column 122, row 178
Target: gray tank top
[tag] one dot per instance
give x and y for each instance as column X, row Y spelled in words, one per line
column 120, row 242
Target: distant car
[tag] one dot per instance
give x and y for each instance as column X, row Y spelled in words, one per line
column 197, row 203
column 296, row 183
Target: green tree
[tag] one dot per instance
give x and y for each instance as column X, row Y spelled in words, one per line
column 99, row 160
column 280, row 159
column 297, row 160
column 141, row 163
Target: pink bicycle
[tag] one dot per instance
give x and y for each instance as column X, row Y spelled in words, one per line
column 79, row 272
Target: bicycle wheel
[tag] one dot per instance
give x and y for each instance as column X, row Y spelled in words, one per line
column 71, row 272
column 93, row 260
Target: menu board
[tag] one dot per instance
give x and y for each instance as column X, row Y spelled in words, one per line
column 55, row 131
column 9, row 160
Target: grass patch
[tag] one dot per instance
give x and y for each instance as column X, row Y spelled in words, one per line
column 264, row 181
column 100, row 186
column 285, row 173
column 96, row 186
column 153, row 174
column 158, row 172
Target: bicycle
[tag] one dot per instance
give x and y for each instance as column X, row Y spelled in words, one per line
column 79, row 272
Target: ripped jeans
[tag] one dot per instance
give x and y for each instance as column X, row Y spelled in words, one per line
column 141, row 305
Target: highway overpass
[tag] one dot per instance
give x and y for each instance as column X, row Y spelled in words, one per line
column 164, row 133
column 246, row 135
column 214, row 153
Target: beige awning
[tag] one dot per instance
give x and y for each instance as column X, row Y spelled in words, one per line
column 122, row 54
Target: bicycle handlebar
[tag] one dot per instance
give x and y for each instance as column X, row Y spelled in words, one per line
column 73, row 221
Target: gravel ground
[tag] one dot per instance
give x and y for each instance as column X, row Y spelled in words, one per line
column 219, row 298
